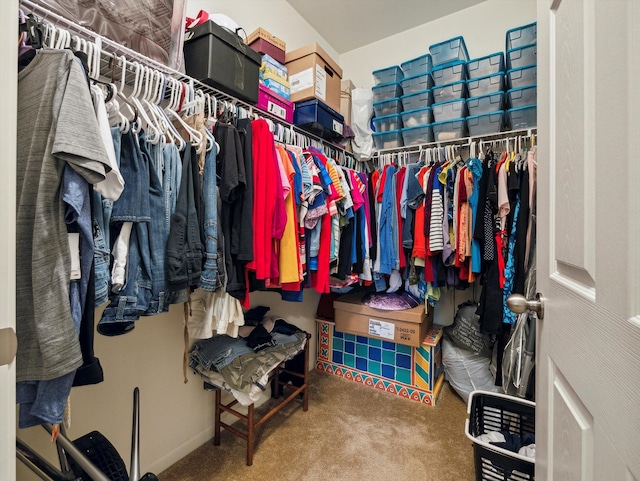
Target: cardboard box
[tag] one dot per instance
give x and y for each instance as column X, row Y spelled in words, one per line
column 271, row 102
column 263, row 34
column 276, row 87
column 266, row 44
column 270, row 64
column 313, row 74
column 408, row 326
column 346, row 86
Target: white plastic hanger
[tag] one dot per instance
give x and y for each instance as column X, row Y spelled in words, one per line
column 153, row 135
column 174, row 97
column 149, row 99
column 195, row 137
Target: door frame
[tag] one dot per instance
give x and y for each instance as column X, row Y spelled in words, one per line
column 8, row 107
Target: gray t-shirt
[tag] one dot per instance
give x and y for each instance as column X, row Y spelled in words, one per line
column 56, row 125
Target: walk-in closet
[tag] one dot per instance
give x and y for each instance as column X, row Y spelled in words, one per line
column 320, row 240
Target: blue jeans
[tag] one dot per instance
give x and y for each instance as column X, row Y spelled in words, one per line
column 217, row 352
column 102, row 209
column 210, row 268
column 134, row 205
column 184, row 246
column 153, row 235
column 171, row 177
column 386, row 228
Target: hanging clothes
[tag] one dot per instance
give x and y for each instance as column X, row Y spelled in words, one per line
column 57, row 127
column 233, row 183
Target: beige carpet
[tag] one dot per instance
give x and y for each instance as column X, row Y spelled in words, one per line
column 350, row 432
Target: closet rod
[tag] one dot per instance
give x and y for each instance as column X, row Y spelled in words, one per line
column 460, row 142
column 130, row 55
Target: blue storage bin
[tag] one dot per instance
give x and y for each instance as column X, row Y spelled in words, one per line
column 417, row 83
column 485, row 85
column 448, row 51
column 523, row 117
column 387, row 140
column 452, row 91
column 387, row 75
column 454, row 109
column 318, row 118
column 422, row 134
column 449, row 130
column 386, row 91
column 387, row 107
column 483, row 66
column 485, row 103
column 446, row 74
column 416, row 66
column 523, row 96
column 485, row 124
column 521, row 36
column 522, row 77
column 416, row 117
column 522, row 56
column 416, row 100
column 387, row 123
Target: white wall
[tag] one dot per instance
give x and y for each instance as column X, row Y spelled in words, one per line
column 176, row 417
column 483, row 27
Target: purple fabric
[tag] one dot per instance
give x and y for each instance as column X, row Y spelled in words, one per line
column 386, row 301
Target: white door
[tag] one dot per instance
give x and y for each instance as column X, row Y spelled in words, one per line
column 8, row 100
column 588, row 372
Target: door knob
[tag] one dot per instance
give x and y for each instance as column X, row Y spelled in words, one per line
column 519, row 304
column 8, row 345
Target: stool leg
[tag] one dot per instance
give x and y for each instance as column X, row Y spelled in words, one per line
column 250, row 435
column 216, row 435
column 305, row 395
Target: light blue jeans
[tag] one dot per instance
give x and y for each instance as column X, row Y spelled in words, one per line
column 217, row 352
column 210, row 269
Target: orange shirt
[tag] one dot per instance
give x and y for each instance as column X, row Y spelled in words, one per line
column 289, row 261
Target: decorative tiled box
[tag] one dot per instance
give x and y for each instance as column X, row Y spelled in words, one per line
column 414, row 373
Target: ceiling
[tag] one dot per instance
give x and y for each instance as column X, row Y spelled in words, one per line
column 349, row 24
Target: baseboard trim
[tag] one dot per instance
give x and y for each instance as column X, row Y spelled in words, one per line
column 197, row 440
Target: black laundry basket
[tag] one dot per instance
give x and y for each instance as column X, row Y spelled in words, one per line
column 489, row 412
column 102, row 454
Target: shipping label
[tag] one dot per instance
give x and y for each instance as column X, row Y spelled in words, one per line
column 382, row 329
column 301, row 80
column 321, row 83
column 276, row 110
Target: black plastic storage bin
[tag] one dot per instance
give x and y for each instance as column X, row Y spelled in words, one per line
column 319, row 119
column 220, row 58
column 489, row 412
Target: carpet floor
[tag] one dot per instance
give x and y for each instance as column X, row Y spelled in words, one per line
column 350, row 432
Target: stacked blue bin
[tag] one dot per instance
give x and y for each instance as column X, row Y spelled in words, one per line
column 486, row 101
column 416, row 100
column 522, row 76
column 387, row 107
column 449, row 89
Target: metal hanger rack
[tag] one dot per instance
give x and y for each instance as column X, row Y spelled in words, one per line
column 475, row 145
